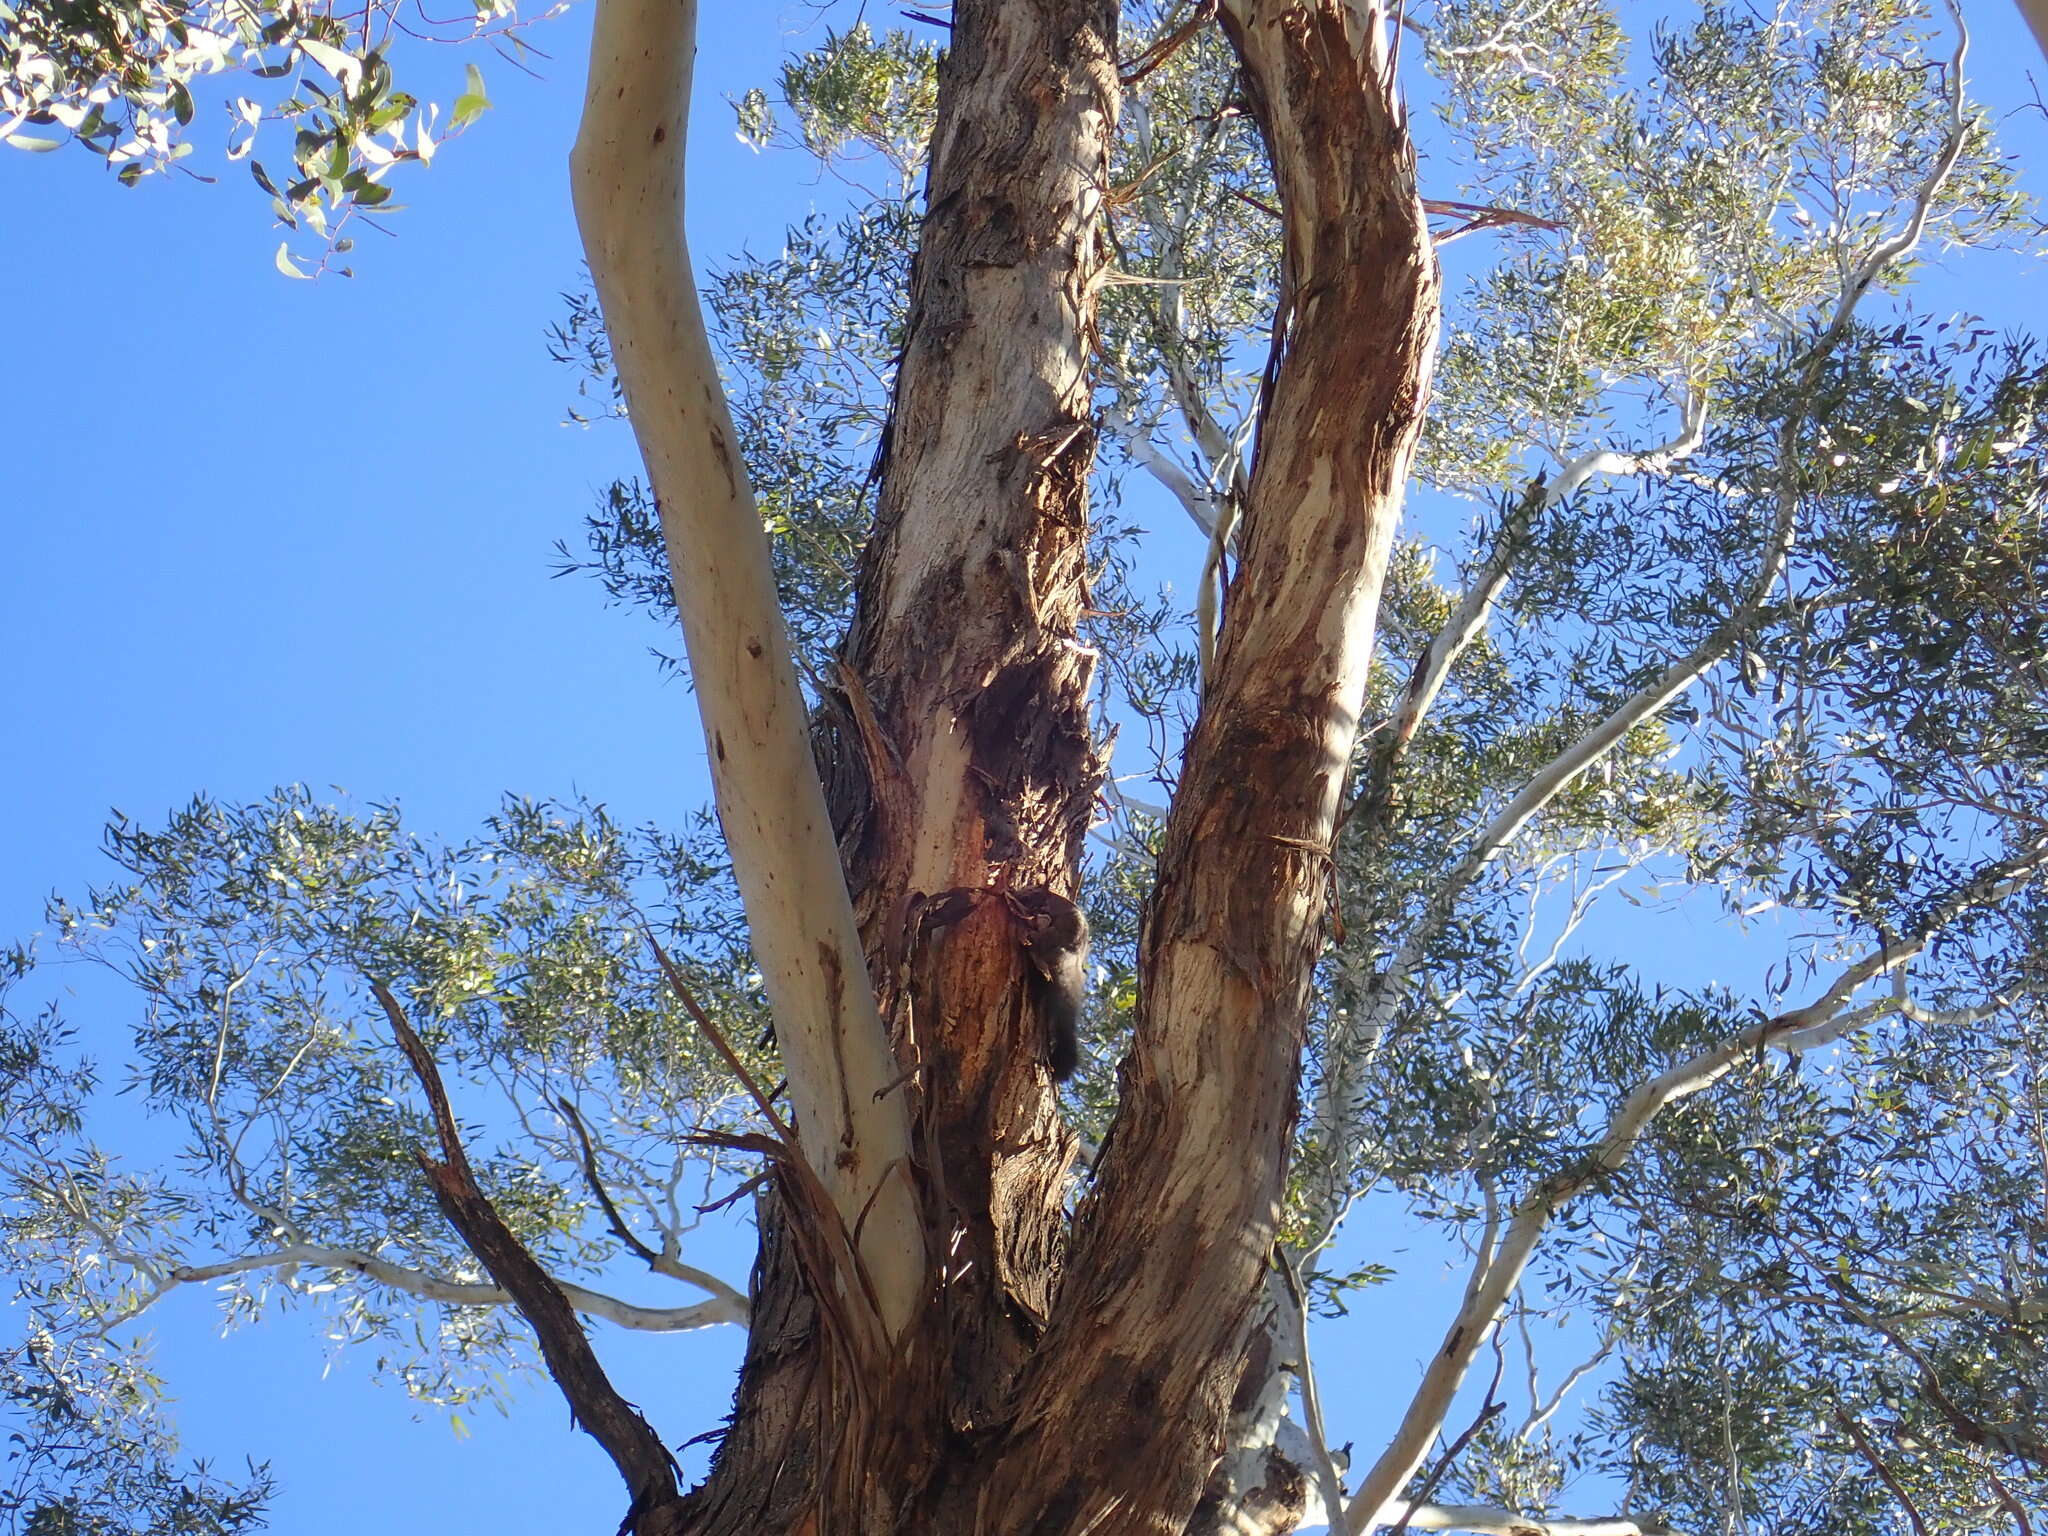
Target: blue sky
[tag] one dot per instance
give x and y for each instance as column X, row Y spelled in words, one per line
column 263, row 531
column 268, row 531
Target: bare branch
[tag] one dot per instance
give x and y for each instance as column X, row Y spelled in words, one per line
column 1468, row 621
column 726, row 1306
column 2012, row 1505
column 1488, row 1411
column 1884, row 1473
column 1327, row 1476
column 1167, row 46
column 626, row 175
column 1203, row 507
column 643, row 1462
column 614, row 1222
column 1652, row 461
column 1208, row 595
column 1820, row 1022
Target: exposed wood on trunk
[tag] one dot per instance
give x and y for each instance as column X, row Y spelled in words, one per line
column 1121, row 1411
column 961, row 769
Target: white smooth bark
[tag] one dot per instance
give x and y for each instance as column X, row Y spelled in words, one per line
column 626, row 175
column 726, row 1305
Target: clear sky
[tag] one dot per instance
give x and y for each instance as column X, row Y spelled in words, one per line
column 262, row 531
column 265, row 531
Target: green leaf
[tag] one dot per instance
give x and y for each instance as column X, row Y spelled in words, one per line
column 286, row 265
column 33, row 144
column 472, row 103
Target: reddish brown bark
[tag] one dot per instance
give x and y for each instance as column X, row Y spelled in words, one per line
column 1120, row 1413
column 961, row 771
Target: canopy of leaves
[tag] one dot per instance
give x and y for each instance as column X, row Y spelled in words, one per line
column 1723, row 586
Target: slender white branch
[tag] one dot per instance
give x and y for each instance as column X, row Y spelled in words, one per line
column 1466, row 621
column 725, row 1305
column 1885, row 252
column 1201, row 505
column 626, row 174
column 1475, row 606
column 1226, row 462
column 1329, row 1482
column 1569, row 765
column 1581, row 908
column 1543, row 1413
column 1209, row 595
column 1652, row 461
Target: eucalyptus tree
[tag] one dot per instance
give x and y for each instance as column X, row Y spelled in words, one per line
column 1720, row 582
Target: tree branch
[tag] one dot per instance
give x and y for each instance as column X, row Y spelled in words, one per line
column 1488, row 1411
column 1568, row 766
column 1329, row 1480
column 1203, row 507
column 662, row 1261
column 1826, row 1019
column 1884, row 1473
column 1490, row 1520
column 626, row 175
column 643, row 1462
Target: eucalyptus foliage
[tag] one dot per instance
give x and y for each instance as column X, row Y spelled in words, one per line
column 1727, row 577
column 127, row 80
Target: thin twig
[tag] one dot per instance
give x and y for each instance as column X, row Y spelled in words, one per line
column 1487, row 1413
column 613, row 1219
column 719, row 1043
column 1170, row 44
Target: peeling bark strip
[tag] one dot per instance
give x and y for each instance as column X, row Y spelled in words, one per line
column 626, row 174
column 1121, row 1410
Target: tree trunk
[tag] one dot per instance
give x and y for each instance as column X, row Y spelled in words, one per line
column 961, row 775
column 1119, row 1419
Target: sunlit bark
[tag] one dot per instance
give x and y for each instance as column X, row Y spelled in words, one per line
column 627, row 176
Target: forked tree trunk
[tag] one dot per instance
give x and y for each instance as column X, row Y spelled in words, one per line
column 1119, row 1419
column 961, row 775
